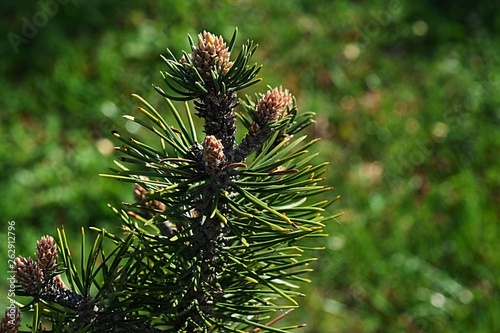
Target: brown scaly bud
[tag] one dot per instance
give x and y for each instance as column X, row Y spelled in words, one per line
column 273, row 105
column 28, row 274
column 156, row 205
column 140, row 194
column 213, row 155
column 254, row 129
column 211, row 53
column 46, row 254
column 59, row 283
column 11, row 321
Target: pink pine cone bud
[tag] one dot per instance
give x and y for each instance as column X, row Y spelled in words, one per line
column 46, row 253
column 211, row 53
column 274, row 105
column 213, row 155
column 28, row 274
column 11, row 321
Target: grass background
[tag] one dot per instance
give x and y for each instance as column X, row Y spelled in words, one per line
column 407, row 101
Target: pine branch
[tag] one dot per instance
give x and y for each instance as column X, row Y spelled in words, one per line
column 212, row 240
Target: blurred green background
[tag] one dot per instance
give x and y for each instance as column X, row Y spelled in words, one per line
column 408, row 106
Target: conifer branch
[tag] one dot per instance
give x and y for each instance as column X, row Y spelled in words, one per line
column 212, row 239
